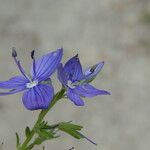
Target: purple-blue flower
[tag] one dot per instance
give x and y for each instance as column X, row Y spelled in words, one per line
column 77, row 82
column 37, row 87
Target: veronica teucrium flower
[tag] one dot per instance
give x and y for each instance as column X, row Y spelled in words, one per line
column 76, row 81
column 37, row 87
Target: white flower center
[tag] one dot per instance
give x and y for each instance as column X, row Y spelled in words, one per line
column 54, row 54
column 70, row 84
column 32, row 84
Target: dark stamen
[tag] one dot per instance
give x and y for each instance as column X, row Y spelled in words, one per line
column 14, row 53
column 76, row 55
column 32, row 54
column 34, row 67
column 93, row 69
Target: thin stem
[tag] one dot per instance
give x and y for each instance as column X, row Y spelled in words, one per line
column 41, row 116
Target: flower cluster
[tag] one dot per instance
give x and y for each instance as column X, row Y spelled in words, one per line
column 37, row 87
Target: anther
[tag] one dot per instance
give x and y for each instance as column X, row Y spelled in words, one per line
column 32, row 54
column 93, row 69
column 76, row 56
column 14, row 53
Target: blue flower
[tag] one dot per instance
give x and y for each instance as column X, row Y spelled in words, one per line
column 38, row 90
column 76, row 81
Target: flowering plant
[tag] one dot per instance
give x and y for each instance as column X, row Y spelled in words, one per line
column 39, row 93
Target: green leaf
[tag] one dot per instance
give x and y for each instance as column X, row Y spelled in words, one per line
column 39, row 140
column 44, row 125
column 43, row 136
column 27, row 131
column 70, row 126
column 17, row 140
column 46, row 134
column 71, row 129
column 73, row 133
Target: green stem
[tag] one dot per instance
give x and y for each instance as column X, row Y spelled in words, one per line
column 41, row 116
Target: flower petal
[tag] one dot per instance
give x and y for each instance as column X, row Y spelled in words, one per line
column 46, row 65
column 93, row 71
column 87, row 90
column 19, row 89
column 61, row 74
column 13, row 83
column 74, row 97
column 73, row 69
column 38, row 97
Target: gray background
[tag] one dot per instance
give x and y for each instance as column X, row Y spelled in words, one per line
column 115, row 31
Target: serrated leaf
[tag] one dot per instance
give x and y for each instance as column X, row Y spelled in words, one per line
column 27, row 131
column 17, row 140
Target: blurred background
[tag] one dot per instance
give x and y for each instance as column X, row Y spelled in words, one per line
column 115, row 31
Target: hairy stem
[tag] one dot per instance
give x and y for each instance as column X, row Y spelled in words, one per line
column 41, row 116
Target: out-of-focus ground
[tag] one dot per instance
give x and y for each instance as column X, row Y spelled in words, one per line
column 115, row 31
